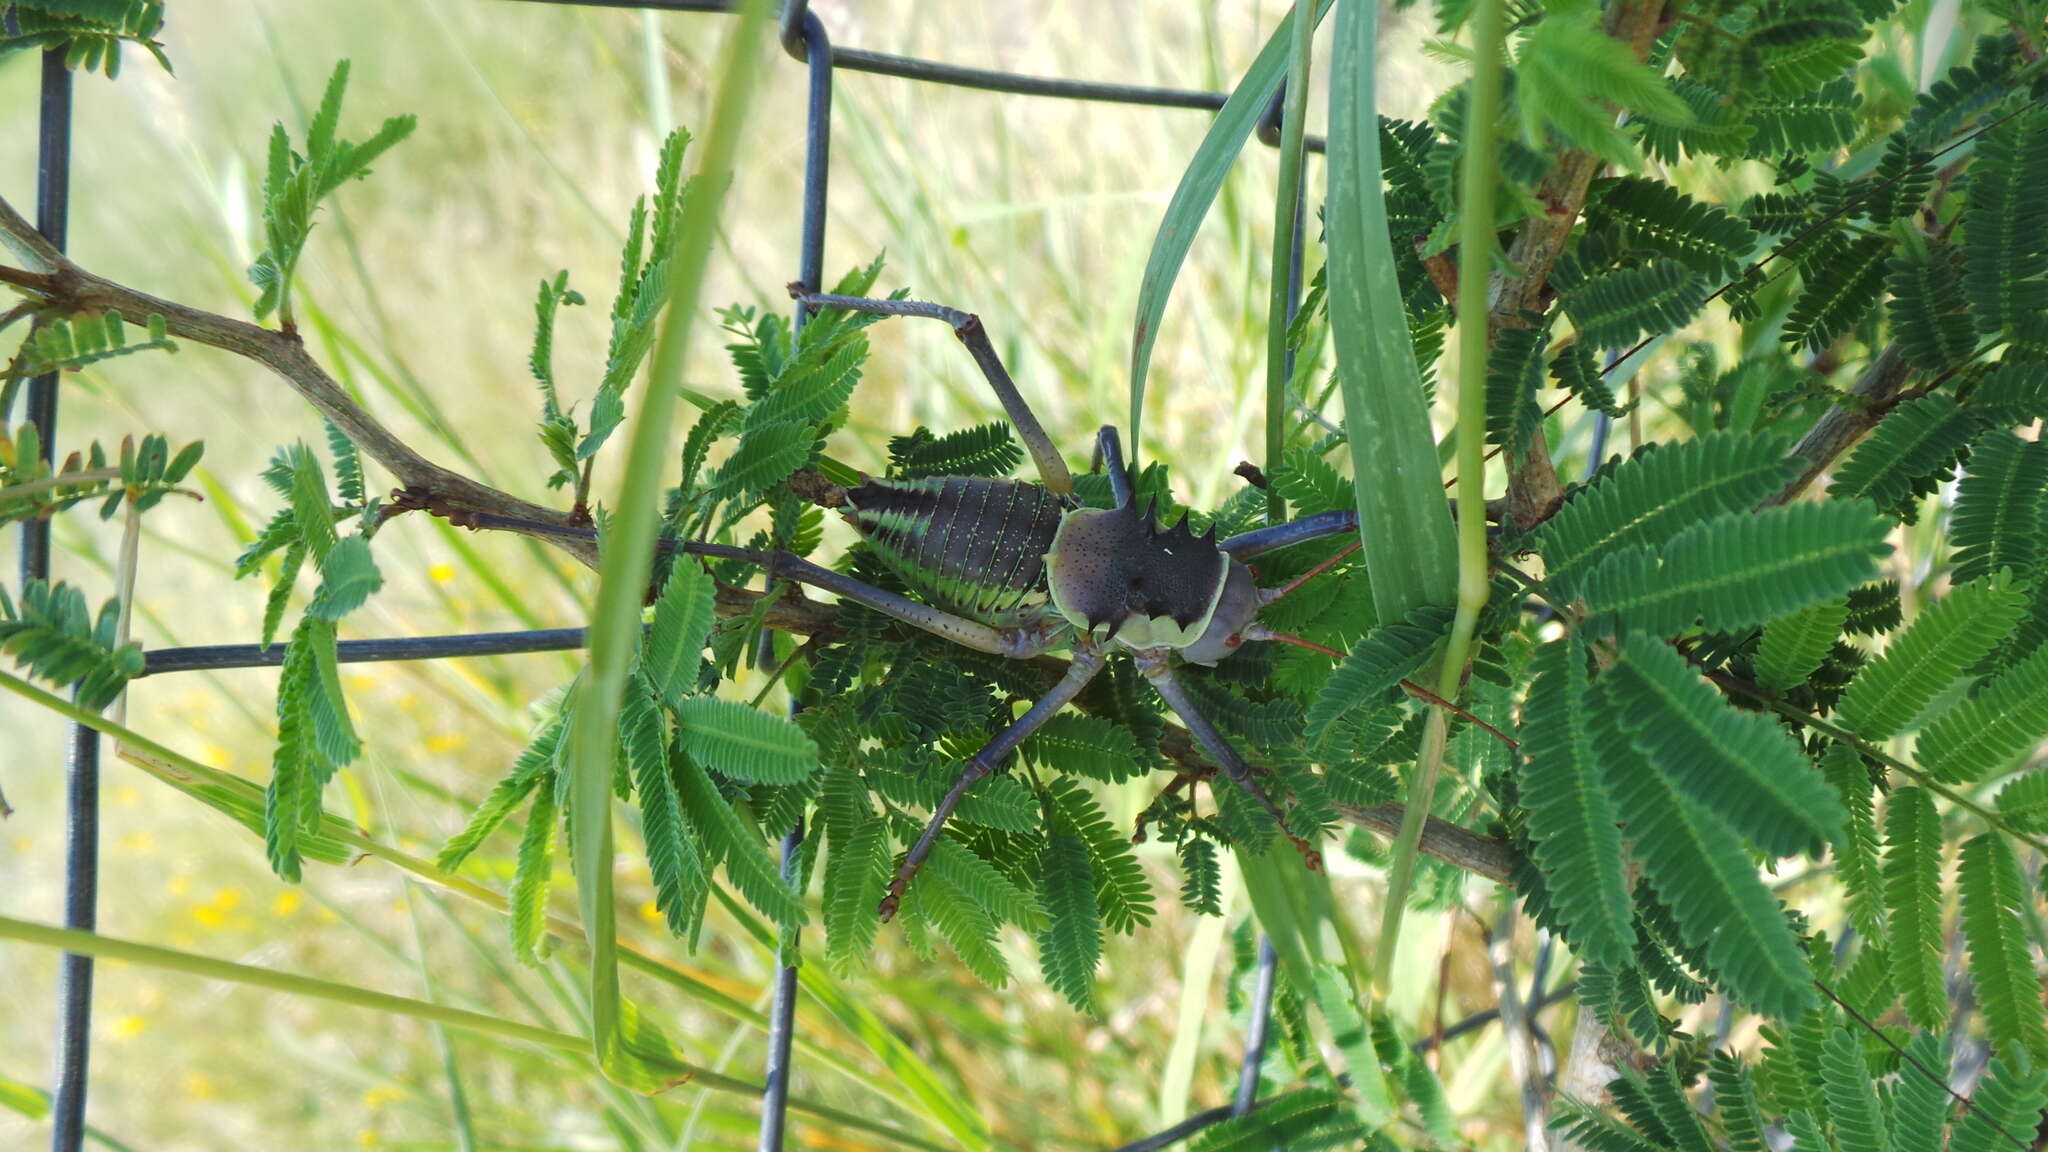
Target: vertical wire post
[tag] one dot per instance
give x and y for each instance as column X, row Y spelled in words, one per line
column 803, row 36
column 82, row 788
column 782, row 1010
column 1255, row 1031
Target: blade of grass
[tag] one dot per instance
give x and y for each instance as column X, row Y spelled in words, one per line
column 1286, row 225
column 1191, row 200
column 628, row 1048
column 209, row 968
column 1475, row 263
column 34, row 1103
column 451, row 1068
column 1401, row 514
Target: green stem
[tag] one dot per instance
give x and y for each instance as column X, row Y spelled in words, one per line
column 635, row 1051
column 1281, row 303
column 1475, row 265
column 209, row 968
column 1991, row 817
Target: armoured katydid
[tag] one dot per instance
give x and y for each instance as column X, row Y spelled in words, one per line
column 1016, row 568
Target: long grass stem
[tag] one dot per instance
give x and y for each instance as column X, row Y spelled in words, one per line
column 1475, row 265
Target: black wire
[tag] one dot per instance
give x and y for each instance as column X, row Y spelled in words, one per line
column 782, row 1011
column 82, row 786
column 215, row 657
column 1255, row 1031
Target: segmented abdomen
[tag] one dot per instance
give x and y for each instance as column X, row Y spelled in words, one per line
column 973, row 546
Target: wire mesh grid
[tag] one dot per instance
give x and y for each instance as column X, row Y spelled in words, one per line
column 804, row 36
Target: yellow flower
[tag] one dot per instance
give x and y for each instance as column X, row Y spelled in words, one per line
column 287, row 902
column 441, row 573
column 128, row 1026
column 198, row 1086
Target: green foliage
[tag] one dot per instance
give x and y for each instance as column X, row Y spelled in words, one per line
column 1912, row 901
column 1071, row 944
column 1856, row 854
column 53, row 635
column 141, row 476
column 1513, row 374
column 856, row 867
column 1569, row 77
column 540, row 760
column 1709, row 679
column 731, row 842
column 1575, row 371
column 90, row 32
column 1308, row 1118
column 1086, row 746
column 2008, row 715
column 1376, row 665
column 1655, row 217
column 1742, row 766
column 295, row 184
column 673, row 855
column 2001, row 519
column 1612, row 307
column 1699, row 869
column 1794, row 645
column 1995, row 905
column 1122, row 894
column 315, row 736
column 1954, row 633
column 1648, row 499
column 2005, row 230
column 744, row 743
column 1819, row 120
column 2006, row 1105
column 1202, row 876
column 73, row 343
column 1926, row 309
column 1910, row 451
column 1571, row 817
column 682, row 624
column 1853, row 1111
column 532, row 874
column 1739, row 569
column 2023, row 802
column 1844, row 279
column 983, row 450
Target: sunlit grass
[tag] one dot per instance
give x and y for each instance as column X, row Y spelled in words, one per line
column 536, row 133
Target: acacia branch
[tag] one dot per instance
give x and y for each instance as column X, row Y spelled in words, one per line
column 1533, row 489
column 55, row 282
column 1879, row 390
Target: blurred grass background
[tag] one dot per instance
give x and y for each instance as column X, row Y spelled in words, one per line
column 538, row 127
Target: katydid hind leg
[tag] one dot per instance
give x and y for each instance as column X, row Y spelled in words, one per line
column 1153, row 664
column 1088, row 660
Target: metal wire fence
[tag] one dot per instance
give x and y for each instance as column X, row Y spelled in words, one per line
column 804, row 37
